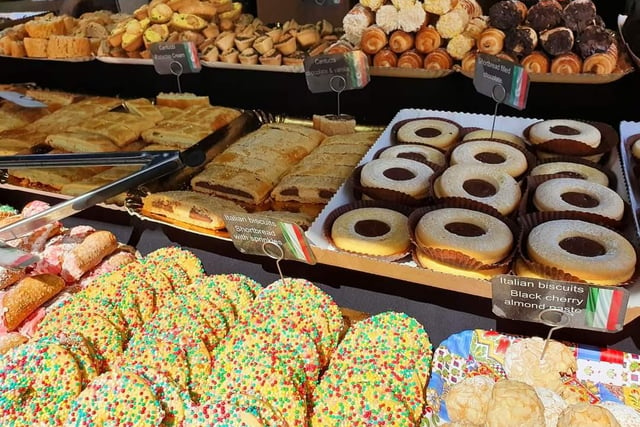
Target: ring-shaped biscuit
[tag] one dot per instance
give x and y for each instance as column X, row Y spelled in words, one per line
column 432, row 131
column 588, row 251
column 575, row 194
column 583, row 171
column 371, row 231
column 574, row 130
column 425, row 152
column 485, row 185
column 404, row 175
column 475, row 234
column 492, row 154
column 495, row 134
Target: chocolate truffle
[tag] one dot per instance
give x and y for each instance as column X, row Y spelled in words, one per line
column 507, row 14
column 521, row 40
column 579, row 14
column 545, row 15
column 593, row 40
column 557, row 41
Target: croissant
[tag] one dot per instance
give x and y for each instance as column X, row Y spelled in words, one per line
column 427, row 39
column 476, row 26
column 602, row 63
column 439, row 59
column 400, row 41
column 468, row 63
column 568, row 63
column 410, row 59
column 471, row 6
column 491, row 41
column 385, row 58
column 536, row 62
column 373, row 39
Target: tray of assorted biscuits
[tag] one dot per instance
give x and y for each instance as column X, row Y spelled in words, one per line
column 447, row 202
column 487, row 378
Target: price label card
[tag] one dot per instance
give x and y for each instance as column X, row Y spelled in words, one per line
column 259, row 235
column 175, row 58
column 21, row 100
column 599, row 308
column 504, row 81
column 337, row 72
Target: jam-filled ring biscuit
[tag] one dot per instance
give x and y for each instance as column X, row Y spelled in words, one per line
column 371, row 231
column 492, row 154
column 418, row 151
column 574, row 130
column 586, row 172
column 494, row 134
column 431, row 131
column 588, row 251
column 403, row 175
column 575, row 194
column 476, row 234
column 485, row 185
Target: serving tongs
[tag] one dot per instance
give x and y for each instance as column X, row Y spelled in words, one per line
column 172, row 165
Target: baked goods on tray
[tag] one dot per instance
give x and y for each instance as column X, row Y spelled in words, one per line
column 249, row 169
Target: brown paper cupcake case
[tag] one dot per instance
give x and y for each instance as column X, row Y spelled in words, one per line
column 568, row 147
column 392, row 196
column 528, row 222
column 527, row 207
column 333, row 215
column 455, row 258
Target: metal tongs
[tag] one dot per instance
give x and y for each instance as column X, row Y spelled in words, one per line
column 174, row 165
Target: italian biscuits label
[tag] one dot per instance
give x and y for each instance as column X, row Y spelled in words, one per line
column 337, row 72
column 504, row 81
column 588, row 306
column 175, row 58
column 259, row 235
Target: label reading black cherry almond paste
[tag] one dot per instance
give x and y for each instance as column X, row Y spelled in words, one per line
column 336, row 72
column 175, row 58
column 259, row 235
column 504, row 81
column 599, row 308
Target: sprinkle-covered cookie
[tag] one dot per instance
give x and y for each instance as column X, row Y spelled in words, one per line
column 26, row 378
column 116, row 398
column 184, row 258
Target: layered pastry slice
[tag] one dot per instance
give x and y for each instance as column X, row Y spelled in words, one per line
column 319, row 175
column 249, row 169
column 73, row 115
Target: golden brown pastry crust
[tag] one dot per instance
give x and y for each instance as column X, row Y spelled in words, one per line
column 27, row 295
column 385, row 58
column 401, row 41
column 427, row 39
column 439, row 59
column 569, row 63
column 410, row 59
column 373, row 39
column 536, row 62
column 491, row 41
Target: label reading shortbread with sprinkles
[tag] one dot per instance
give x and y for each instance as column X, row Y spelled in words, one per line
column 259, row 235
column 599, row 308
column 504, row 81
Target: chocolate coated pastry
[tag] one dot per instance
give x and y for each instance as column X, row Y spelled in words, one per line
column 557, row 41
column 593, row 40
column 545, row 15
column 521, row 40
column 505, row 15
column 579, row 14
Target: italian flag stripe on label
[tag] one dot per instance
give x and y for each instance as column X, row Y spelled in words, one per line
column 603, row 308
column 295, row 241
